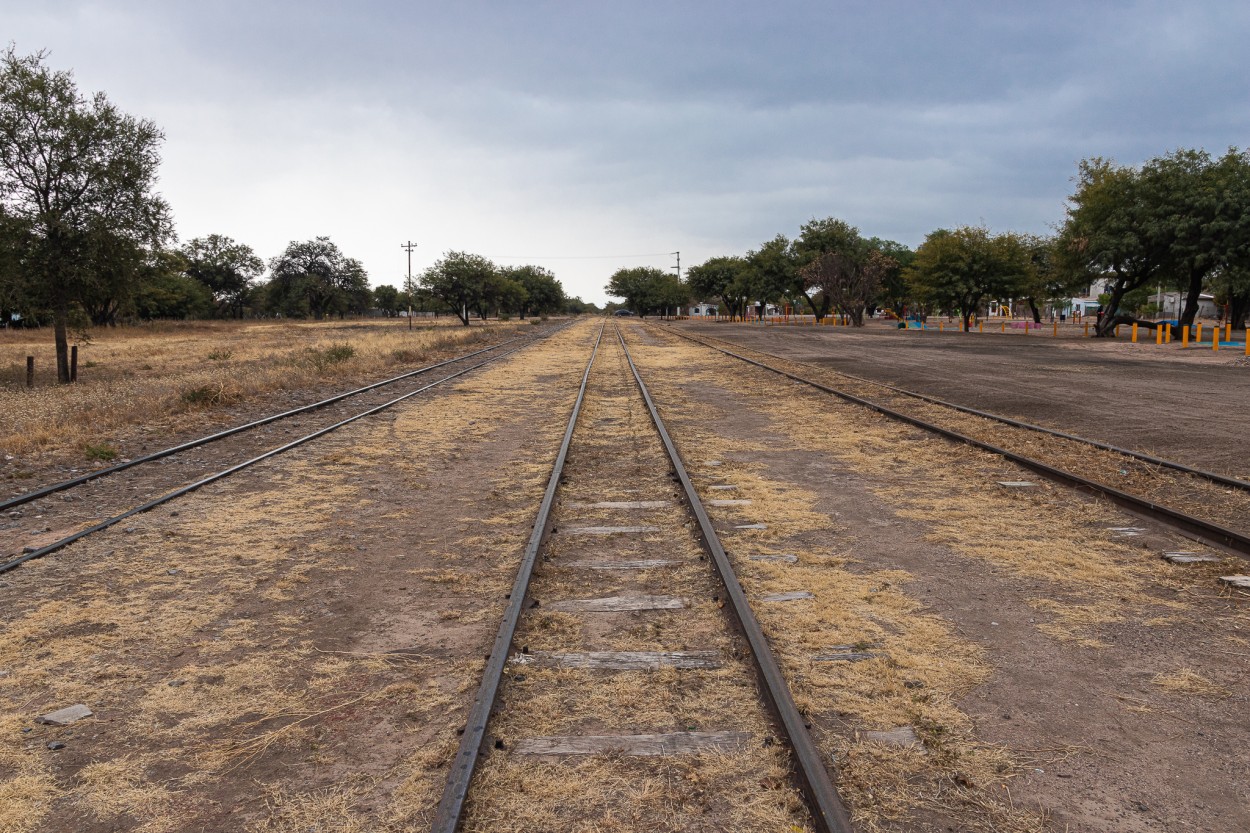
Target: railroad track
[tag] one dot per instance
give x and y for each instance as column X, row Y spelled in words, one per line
column 1200, row 505
column 629, row 678
column 191, row 465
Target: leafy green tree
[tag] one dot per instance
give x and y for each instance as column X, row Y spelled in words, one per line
column 773, row 271
column 841, row 254
column 543, row 293
column 725, row 278
column 388, row 299
column 647, row 289
column 228, row 269
column 73, row 170
column 166, row 290
column 846, row 282
column 894, row 294
column 460, row 281
column 315, row 278
column 1119, row 224
column 958, row 269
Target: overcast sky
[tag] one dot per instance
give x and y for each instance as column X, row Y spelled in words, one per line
column 574, row 134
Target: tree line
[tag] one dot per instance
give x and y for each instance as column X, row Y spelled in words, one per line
column 1179, row 222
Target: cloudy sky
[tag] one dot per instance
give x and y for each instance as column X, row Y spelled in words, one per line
column 594, row 135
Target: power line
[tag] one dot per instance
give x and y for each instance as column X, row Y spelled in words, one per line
column 573, row 257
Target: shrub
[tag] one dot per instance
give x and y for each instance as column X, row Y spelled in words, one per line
column 99, row 451
column 324, row 358
column 220, row 355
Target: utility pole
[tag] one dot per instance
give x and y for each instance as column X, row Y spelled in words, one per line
column 408, row 287
column 678, row 268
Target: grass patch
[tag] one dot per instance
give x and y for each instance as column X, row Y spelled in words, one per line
column 220, row 355
column 323, row 358
column 99, row 451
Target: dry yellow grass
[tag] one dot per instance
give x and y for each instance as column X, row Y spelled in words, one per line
column 1188, row 681
column 251, row 682
column 164, row 377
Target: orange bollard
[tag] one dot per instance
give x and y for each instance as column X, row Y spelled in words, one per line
column 1198, row 334
column 1159, row 334
column 1056, row 332
column 1167, row 333
column 1134, row 332
column 1184, row 337
column 1215, row 338
column 1087, row 329
column 1228, row 331
column 1002, row 326
column 940, row 323
column 980, row 326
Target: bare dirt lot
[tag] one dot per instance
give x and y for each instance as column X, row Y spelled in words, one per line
column 1191, row 405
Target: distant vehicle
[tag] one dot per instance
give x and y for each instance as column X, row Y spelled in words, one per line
column 623, row 312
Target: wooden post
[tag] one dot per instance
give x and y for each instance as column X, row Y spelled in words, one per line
column 30, row 371
column 1056, row 329
column 73, row 363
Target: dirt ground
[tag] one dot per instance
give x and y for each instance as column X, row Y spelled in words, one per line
column 294, row 649
column 1186, row 405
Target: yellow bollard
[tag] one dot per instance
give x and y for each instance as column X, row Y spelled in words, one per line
column 1167, row 333
column 1228, row 331
column 1198, row 334
column 1116, row 332
column 1159, row 334
column 1184, row 337
column 980, row 326
column 1134, row 332
column 1215, row 338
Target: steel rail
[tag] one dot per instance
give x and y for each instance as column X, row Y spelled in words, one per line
column 451, row 805
column 191, row 487
column 825, row 804
column 1192, row 527
column 157, row 455
column 1223, row 480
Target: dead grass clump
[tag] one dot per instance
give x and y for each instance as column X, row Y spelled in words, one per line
column 121, row 787
column 1188, row 681
column 25, row 801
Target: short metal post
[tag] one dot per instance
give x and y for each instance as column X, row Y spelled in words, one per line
column 30, row 371
column 73, row 363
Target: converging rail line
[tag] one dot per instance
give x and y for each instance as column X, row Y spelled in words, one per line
column 1208, row 498
column 32, row 553
column 618, row 644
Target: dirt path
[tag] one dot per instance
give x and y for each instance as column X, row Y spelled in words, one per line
column 1058, row 676
column 1189, row 406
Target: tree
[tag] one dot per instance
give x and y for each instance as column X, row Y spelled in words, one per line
column 846, row 282
column 895, row 294
column 959, row 269
column 647, row 289
column 842, row 254
column 460, row 281
column 73, row 170
column 543, row 293
column 1117, row 226
column 315, row 278
column 165, row 290
column 228, row 269
column 773, row 271
column 387, row 298
column 725, row 278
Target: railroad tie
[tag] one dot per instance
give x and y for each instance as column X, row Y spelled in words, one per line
column 607, row 530
column 729, row 503
column 792, row 596
column 622, row 660
column 634, row 564
column 785, row 557
column 1189, row 557
column 672, row 743
column 610, row 604
column 623, row 504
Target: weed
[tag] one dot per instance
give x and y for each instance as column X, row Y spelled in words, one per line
column 323, row 358
column 220, row 355
column 99, row 451
column 89, row 363
column 206, row 396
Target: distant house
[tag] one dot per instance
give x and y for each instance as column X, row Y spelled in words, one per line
column 702, row 308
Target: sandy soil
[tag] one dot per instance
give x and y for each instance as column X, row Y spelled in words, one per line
column 1187, row 405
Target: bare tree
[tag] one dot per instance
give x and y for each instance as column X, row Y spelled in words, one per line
column 849, row 283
